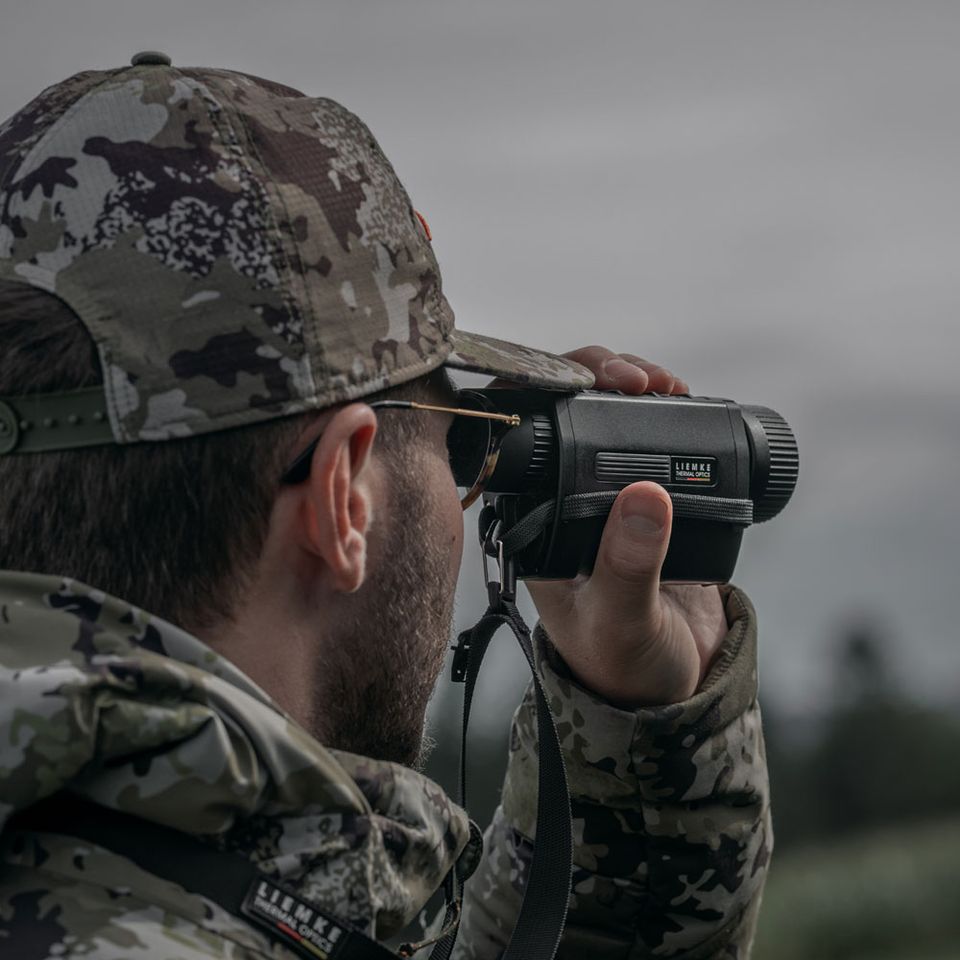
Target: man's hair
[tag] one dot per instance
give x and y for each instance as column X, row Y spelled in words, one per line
column 175, row 527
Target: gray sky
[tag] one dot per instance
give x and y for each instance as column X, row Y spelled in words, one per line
column 761, row 195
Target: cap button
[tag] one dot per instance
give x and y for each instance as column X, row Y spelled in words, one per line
column 150, row 58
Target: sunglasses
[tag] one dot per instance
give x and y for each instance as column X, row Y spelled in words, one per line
column 473, row 442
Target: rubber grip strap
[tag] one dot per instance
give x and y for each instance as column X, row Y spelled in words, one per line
column 583, row 506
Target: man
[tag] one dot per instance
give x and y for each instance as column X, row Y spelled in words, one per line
column 210, row 284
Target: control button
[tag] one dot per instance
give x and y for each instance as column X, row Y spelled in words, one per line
column 150, row 58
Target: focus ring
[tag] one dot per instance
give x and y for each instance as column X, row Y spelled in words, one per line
column 784, row 464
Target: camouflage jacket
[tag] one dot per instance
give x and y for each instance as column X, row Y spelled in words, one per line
column 97, row 698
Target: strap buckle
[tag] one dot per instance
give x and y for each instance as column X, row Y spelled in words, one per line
column 461, row 657
column 504, row 586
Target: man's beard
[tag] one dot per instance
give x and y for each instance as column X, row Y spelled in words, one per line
column 374, row 688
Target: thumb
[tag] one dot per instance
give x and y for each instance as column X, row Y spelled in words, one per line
column 626, row 575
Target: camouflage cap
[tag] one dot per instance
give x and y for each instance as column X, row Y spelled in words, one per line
column 237, row 250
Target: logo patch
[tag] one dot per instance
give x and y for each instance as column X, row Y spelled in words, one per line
column 303, row 926
column 699, row 471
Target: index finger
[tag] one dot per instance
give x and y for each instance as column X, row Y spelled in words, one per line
column 612, row 370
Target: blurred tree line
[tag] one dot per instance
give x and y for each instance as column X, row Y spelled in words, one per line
column 878, row 757
column 866, row 807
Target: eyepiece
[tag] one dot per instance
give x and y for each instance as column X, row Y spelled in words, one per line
column 776, row 461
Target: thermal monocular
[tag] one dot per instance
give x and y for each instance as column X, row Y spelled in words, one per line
column 550, row 465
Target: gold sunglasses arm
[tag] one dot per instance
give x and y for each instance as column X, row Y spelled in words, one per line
column 511, row 419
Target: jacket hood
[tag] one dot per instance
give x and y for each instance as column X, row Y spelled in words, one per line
column 107, row 702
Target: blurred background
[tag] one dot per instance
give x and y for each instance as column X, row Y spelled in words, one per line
column 762, row 196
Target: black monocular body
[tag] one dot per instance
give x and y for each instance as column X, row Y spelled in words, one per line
column 725, row 466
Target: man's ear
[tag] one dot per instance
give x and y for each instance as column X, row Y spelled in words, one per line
column 338, row 500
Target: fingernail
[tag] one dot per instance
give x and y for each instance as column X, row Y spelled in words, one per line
column 616, row 368
column 644, row 516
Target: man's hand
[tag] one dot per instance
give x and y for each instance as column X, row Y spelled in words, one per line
column 623, row 636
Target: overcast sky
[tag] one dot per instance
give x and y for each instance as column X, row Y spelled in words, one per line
column 761, row 195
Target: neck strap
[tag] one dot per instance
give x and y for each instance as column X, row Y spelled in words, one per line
column 543, row 911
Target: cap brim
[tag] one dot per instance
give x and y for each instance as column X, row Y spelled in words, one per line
column 511, row 361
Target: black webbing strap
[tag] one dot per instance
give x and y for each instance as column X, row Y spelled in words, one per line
column 582, row 506
column 227, row 879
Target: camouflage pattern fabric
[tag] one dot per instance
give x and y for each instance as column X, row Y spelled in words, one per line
column 238, row 251
column 671, row 815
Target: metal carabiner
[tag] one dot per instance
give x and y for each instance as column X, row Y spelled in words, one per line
column 504, row 587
